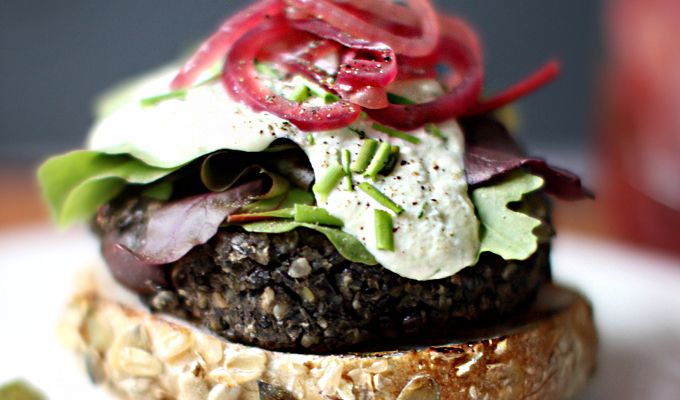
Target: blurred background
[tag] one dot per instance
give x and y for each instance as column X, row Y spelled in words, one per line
column 56, row 56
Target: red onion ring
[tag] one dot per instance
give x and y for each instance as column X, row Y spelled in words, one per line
column 458, row 47
column 379, row 72
column 221, row 41
column 539, row 78
column 365, row 70
column 299, row 53
column 241, row 81
column 396, row 12
column 336, row 16
column 413, row 68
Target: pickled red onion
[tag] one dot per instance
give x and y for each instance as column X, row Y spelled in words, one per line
column 241, row 81
column 459, row 48
column 365, row 69
column 221, row 41
column 334, row 15
column 533, row 82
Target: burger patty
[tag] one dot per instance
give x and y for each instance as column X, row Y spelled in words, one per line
column 294, row 291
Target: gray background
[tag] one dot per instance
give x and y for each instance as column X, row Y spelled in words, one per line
column 55, row 56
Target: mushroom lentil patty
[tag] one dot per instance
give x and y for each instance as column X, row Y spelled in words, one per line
column 294, row 291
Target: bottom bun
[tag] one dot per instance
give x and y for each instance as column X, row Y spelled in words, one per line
column 548, row 352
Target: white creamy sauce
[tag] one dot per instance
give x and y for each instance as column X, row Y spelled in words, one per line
column 429, row 178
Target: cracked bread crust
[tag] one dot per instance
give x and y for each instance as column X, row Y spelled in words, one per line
column 546, row 353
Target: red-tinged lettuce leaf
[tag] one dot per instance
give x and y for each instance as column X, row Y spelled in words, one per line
column 126, row 268
column 491, row 152
column 179, row 226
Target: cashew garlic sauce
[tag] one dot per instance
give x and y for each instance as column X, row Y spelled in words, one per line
column 436, row 235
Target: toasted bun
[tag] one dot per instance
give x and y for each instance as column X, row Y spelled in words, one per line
column 547, row 353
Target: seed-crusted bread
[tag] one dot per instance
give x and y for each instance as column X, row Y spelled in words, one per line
column 547, row 353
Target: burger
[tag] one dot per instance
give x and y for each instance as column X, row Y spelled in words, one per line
column 319, row 204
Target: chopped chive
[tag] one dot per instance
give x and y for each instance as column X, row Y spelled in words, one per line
column 380, row 198
column 378, row 161
column 395, row 133
column 300, row 93
column 433, row 130
column 391, row 162
column 422, row 211
column 327, row 182
column 264, row 69
column 346, row 160
column 396, row 99
column 310, row 138
column 317, row 90
column 384, row 234
column 152, row 101
column 365, row 155
column 209, row 79
column 315, row 215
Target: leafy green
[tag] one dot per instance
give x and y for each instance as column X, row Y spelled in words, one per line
column 19, row 390
column 503, row 231
column 286, row 200
column 223, row 169
column 178, row 226
column 159, row 191
column 349, row 246
column 315, row 215
column 76, row 184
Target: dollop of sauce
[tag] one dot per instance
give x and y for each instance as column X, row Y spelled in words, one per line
column 437, row 234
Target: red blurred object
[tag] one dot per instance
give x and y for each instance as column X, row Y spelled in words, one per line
column 640, row 122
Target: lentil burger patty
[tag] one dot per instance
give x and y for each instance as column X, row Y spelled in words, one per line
column 294, row 291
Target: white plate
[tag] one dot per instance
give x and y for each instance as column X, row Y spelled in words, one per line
column 636, row 297
column 636, row 300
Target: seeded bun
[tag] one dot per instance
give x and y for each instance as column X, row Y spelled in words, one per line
column 549, row 352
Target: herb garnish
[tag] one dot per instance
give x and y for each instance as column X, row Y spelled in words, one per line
column 384, row 235
column 378, row 161
column 152, row 101
column 365, row 155
column 346, row 160
column 399, row 100
column 324, row 186
column 395, row 133
column 380, row 197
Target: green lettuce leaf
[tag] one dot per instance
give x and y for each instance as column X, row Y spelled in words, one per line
column 76, row 184
column 503, row 231
column 349, row 246
column 286, row 200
